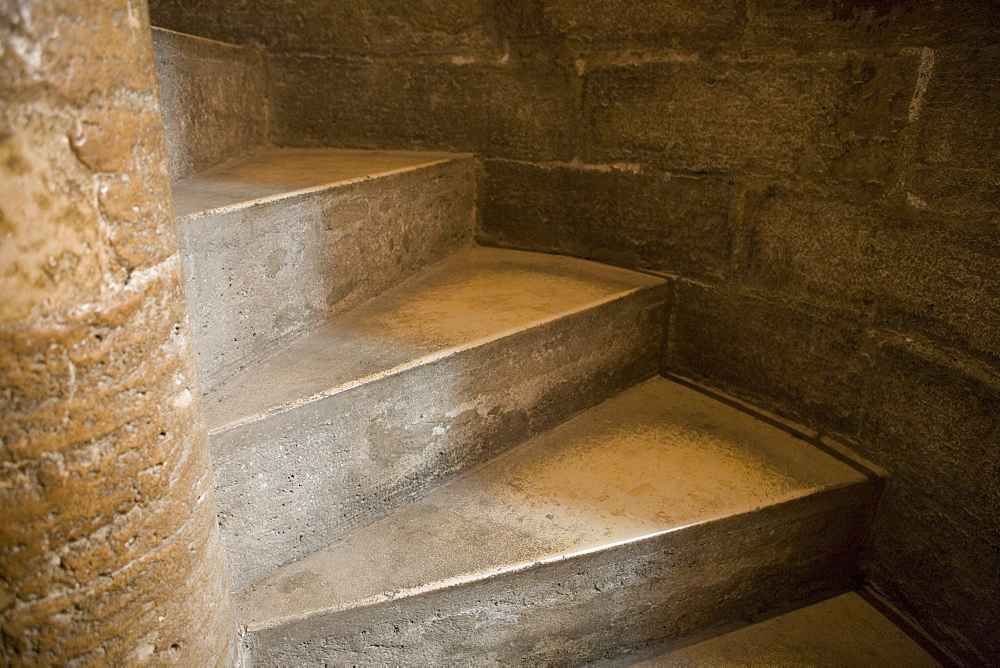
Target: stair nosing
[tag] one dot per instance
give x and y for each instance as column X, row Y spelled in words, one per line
column 413, row 363
column 481, row 576
column 310, row 190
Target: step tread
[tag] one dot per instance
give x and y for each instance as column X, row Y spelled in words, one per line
column 656, row 458
column 841, row 631
column 475, row 295
column 269, row 173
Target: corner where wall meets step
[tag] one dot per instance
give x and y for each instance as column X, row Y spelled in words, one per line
column 213, row 98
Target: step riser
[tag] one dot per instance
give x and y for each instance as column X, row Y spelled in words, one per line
column 584, row 607
column 213, row 98
column 263, row 274
column 293, row 482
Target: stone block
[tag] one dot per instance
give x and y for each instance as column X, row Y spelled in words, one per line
column 807, row 363
column 821, row 25
column 361, row 28
column 213, row 98
column 839, row 249
column 829, row 116
column 702, row 24
column 526, row 111
column 647, row 220
column 587, row 605
column 935, row 426
column 319, row 251
column 483, row 351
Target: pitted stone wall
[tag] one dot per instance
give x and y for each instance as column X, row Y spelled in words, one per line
column 819, row 177
column 109, row 549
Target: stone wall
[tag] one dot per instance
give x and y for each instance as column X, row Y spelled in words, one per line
column 820, row 177
column 109, row 549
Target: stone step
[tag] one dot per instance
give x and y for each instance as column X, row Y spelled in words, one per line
column 281, row 240
column 213, row 98
column 657, row 514
column 471, row 357
column 841, row 631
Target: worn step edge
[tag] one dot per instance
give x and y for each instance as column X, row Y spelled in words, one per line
column 422, row 360
column 661, row 610
column 438, row 159
column 551, row 371
column 262, row 273
column 541, row 562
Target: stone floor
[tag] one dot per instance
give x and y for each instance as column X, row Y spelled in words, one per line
column 844, row 631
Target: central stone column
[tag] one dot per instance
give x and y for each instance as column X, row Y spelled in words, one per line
column 109, row 548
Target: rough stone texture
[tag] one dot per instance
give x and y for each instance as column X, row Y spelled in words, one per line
column 710, row 24
column 563, row 520
column 213, row 98
column 646, row 220
column 816, row 365
column 363, row 27
column 772, row 115
column 262, row 271
column 936, row 426
column 556, row 336
column 820, row 25
column 841, row 631
column 516, row 110
column 567, row 610
column 109, row 550
column 841, row 250
column 862, row 139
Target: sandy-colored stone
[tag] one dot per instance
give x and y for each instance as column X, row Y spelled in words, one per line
column 841, row 631
column 109, row 549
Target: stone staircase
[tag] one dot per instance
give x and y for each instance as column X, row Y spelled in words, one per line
column 431, row 452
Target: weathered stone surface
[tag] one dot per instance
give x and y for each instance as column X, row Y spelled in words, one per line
column 844, row 630
column 213, row 98
column 841, row 250
column 628, row 523
column 821, row 25
column 935, row 425
column 809, row 116
column 364, row 27
column 808, row 362
column 350, row 227
column 487, row 349
column 109, row 551
column 647, row 220
column 708, row 24
column 522, row 111
column 953, row 171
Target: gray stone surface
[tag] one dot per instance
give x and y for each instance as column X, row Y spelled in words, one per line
column 280, row 241
column 843, row 631
column 213, row 98
column 646, row 220
column 476, row 355
column 817, row 364
column 655, row 514
column 770, row 115
column 524, row 111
